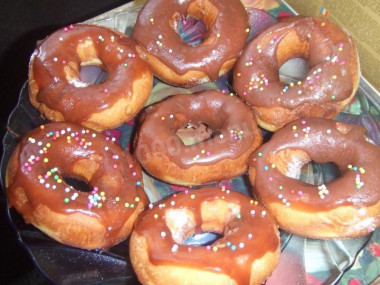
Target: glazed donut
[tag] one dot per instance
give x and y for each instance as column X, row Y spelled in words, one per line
column 55, row 84
column 329, row 85
column 227, row 139
column 178, row 63
column 37, row 186
column 346, row 207
column 247, row 252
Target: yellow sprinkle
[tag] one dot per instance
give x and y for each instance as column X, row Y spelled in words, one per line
column 102, row 193
column 162, row 118
column 46, row 159
column 215, row 248
column 203, row 151
column 362, row 170
column 247, row 30
column 192, row 196
column 299, row 82
column 273, row 165
column 117, row 199
column 218, row 35
column 294, row 127
column 137, row 199
column 126, row 205
column 349, row 166
column 155, row 216
column 334, row 77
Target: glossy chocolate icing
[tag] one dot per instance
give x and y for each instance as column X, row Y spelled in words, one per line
column 225, row 37
column 248, row 233
column 50, row 153
column 324, row 141
column 58, row 55
column 228, row 117
column 331, row 54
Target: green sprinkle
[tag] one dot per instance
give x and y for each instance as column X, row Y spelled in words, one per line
column 66, row 200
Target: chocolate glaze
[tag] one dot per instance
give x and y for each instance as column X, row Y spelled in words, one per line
column 247, row 235
column 330, row 52
column 117, row 56
column 359, row 183
column 227, row 116
column 48, row 154
column 226, row 35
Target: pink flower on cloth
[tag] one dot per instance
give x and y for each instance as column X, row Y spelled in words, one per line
column 113, row 133
column 374, row 249
column 178, row 188
column 131, row 122
column 354, row 281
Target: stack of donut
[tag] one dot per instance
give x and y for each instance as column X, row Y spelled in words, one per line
column 193, row 140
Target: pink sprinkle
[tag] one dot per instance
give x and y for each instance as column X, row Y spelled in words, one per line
column 134, row 173
column 65, row 29
column 270, row 179
column 89, row 205
column 71, row 27
column 317, row 77
column 300, row 193
column 342, row 62
column 189, row 249
column 29, row 169
column 115, row 166
column 130, row 166
column 208, row 247
column 303, row 122
column 186, row 191
column 63, row 61
column 106, row 90
column 208, row 153
column 26, row 164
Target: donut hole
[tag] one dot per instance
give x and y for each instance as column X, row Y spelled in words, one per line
column 191, row 30
column 294, row 70
column 217, row 223
column 193, row 134
column 293, row 58
column 297, row 164
column 78, row 184
column 193, row 27
column 92, row 74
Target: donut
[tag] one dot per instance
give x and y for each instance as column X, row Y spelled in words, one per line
column 220, row 149
column 247, row 252
column 181, row 64
column 58, row 92
column 346, row 207
column 96, row 215
column 330, row 83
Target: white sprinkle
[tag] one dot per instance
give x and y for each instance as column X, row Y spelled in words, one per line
column 163, row 234
column 175, row 248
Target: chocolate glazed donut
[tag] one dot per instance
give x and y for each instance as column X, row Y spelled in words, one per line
column 329, row 85
column 178, row 63
column 346, row 207
column 56, row 88
column 37, row 186
column 222, row 155
column 247, row 252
